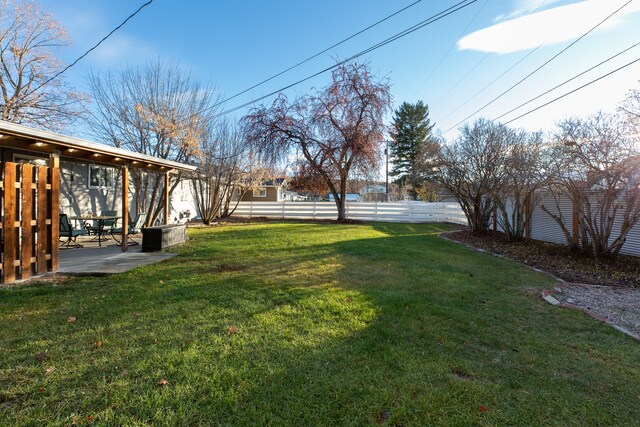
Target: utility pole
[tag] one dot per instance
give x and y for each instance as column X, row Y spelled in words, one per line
column 386, row 152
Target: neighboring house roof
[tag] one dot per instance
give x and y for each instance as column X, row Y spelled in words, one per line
column 278, row 182
column 19, row 136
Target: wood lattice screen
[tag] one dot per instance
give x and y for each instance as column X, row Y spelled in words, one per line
column 30, row 223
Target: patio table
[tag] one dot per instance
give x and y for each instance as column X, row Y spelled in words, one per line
column 101, row 221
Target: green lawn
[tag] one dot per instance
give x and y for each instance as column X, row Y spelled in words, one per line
column 336, row 325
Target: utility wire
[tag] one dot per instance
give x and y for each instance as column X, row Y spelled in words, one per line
column 566, row 81
column 574, row 90
column 440, row 15
column 95, row 46
column 461, row 79
column 450, row 49
column 540, row 67
column 493, row 81
column 321, row 52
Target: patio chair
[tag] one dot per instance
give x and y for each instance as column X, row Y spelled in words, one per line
column 135, row 227
column 67, row 230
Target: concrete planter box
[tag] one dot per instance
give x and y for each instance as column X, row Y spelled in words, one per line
column 163, row 236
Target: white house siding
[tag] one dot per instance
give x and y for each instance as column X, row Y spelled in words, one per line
column 182, row 205
column 76, row 198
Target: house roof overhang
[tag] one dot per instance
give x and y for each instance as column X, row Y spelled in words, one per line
column 22, row 137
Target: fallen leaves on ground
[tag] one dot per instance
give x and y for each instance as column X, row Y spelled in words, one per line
column 482, row 408
column 382, row 417
column 50, row 370
column 163, row 382
column 232, row 330
column 98, row 344
column 72, row 319
column 556, row 259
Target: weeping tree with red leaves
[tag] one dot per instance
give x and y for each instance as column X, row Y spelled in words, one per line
column 308, row 182
column 338, row 131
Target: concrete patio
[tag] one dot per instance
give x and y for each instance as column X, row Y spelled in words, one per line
column 95, row 260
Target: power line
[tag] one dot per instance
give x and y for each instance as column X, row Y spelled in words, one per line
column 462, row 79
column 320, row 53
column 493, row 81
column 540, row 67
column 446, row 12
column 567, row 81
column 450, row 49
column 574, row 90
column 92, row 48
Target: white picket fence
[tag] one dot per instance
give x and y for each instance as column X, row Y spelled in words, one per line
column 376, row 211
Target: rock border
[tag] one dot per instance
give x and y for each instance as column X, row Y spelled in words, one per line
column 547, row 294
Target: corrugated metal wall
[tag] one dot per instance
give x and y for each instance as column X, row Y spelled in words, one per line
column 544, row 228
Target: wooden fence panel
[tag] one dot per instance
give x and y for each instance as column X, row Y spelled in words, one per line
column 27, row 217
column 41, row 257
column 53, row 216
column 30, row 225
column 10, row 241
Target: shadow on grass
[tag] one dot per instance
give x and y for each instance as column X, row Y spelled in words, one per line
column 379, row 324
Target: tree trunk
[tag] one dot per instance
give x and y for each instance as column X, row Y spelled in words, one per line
column 342, row 210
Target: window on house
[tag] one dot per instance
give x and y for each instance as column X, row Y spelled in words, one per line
column 100, row 177
column 260, row 192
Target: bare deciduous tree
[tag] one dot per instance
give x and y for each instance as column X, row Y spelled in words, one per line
column 30, row 41
column 472, row 170
column 596, row 167
column 338, row 130
column 629, row 110
column 523, row 175
column 222, row 170
column 159, row 110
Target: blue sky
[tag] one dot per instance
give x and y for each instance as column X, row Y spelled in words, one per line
column 235, row 44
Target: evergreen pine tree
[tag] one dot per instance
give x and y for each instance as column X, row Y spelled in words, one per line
column 411, row 133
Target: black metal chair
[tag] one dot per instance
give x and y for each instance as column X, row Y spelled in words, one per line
column 135, row 227
column 69, row 232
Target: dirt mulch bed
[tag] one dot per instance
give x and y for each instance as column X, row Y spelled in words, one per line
column 557, row 260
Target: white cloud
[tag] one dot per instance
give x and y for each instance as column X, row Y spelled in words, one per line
column 121, row 47
column 523, row 7
column 551, row 26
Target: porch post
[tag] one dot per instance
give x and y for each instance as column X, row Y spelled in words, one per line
column 166, row 198
column 54, row 165
column 125, row 207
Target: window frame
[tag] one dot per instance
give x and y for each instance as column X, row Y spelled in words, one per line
column 260, row 192
column 106, row 185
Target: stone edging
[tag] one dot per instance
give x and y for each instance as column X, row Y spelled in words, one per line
column 547, row 293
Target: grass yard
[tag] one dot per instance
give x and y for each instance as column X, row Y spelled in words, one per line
column 312, row 324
